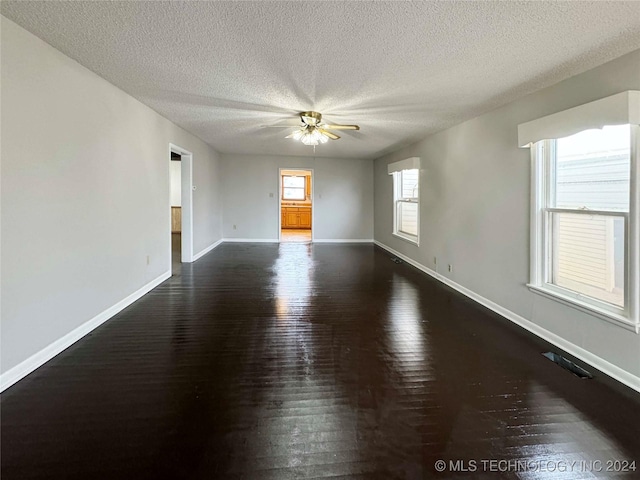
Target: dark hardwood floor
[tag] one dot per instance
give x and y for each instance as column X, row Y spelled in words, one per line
column 303, row 361
column 176, row 254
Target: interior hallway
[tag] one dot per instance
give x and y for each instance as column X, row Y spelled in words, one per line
column 291, row 361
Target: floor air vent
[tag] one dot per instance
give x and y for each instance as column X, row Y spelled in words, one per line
column 568, row 365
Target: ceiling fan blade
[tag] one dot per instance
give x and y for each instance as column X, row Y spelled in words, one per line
column 292, row 134
column 341, row 127
column 331, row 135
column 280, row 126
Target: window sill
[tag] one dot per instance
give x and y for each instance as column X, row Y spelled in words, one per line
column 610, row 317
column 412, row 241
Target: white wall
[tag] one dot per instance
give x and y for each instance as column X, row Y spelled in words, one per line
column 342, row 196
column 175, row 181
column 85, row 195
column 475, row 210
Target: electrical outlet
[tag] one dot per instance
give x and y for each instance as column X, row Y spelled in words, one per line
column 148, row 259
column 450, row 268
column 435, row 260
column 234, row 227
column 271, row 195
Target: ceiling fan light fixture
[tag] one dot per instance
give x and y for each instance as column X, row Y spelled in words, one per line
column 310, row 136
column 313, row 132
column 308, row 139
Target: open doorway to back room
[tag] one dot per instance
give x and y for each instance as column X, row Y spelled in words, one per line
column 176, row 213
column 181, row 201
column 296, row 205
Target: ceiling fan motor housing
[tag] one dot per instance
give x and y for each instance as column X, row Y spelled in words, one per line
column 311, row 118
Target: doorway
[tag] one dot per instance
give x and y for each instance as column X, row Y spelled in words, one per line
column 176, row 213
column 180, row 199
column 296, row 205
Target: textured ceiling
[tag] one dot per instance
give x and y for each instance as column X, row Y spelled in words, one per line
column 401, row 70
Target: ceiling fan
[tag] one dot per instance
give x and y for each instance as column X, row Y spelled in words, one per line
column 312, row 131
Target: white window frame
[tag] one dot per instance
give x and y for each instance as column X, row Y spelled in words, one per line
column 542, row 153
column 395, row 170
column 619, row 109
column 303, row 188
column 398, row 199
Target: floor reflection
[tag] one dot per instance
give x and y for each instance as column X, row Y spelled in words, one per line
column 405, row 329
column 305, row 423
column 293, row 271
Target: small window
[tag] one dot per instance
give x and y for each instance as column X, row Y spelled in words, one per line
column 293, row 188
column 407, row 206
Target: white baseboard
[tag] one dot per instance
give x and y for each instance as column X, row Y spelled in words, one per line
column 317, row 240
column 36, row 360
column 207, row 250
column 343, row 240
column 621, row 375
column 251, row 240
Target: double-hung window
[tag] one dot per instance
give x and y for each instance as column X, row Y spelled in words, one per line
column 406, row 199
column 584, row 216
column 293, row 187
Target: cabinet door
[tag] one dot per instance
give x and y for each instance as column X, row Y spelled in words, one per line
column 305, row 218
column 176, row 219
column 292, row 218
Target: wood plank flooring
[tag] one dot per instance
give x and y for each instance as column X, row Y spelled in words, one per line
column 298, row 361
column 176, row 254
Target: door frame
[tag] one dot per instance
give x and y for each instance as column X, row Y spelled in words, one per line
column 186, row 193
column 313, row 192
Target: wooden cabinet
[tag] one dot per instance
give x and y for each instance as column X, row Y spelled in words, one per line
column 291, row 219
column 176, row 219
column 296, row 217
column 304, row 217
